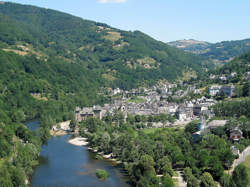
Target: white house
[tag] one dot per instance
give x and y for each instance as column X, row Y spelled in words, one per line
column 213, row 90
column 116, row 91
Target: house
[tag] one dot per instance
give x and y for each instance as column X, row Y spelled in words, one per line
column 233, row 74
column 184, row 113
column 212, row 76
column 197, row 91
column 208, row 113
column 213, row 90
column 197, row 109
column 98, row 112
column 117, row 91
column 216, row 89
column 172, row 108
column 247, row 76
column 84, row 113
column 228, row 90
column 236, row 134
column 223, row 78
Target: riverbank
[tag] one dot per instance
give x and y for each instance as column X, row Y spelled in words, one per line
column 81, row 141
column 60, row 129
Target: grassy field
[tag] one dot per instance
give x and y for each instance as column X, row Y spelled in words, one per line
column 247, row 164
column 113, row 36
column 136, row 100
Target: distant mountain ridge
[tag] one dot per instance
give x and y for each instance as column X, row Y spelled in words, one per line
column 190, row 45
column 220, row 52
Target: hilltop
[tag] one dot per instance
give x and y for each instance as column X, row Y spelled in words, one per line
column 221, row 52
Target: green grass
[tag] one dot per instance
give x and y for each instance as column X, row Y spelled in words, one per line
column 247, row 164
column 113, row 36
column 136, row 100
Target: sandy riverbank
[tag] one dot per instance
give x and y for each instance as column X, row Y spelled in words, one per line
column 60, row 129
column 78, row 141
column 58, row 133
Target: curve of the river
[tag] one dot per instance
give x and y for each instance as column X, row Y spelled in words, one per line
column 66, row 165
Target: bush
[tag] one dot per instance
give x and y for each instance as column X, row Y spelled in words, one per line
column 102, row 174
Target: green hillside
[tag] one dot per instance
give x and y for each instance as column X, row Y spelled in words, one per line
column 123, row 59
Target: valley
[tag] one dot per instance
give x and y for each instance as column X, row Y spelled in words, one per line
column 160, row 110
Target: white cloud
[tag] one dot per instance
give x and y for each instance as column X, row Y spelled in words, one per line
column 112, row 1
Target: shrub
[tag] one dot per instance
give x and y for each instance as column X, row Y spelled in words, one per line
column 102, row 174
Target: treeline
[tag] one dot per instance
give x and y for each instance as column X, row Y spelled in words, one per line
column 235, row 108
column 146, row 154
column 20, row 149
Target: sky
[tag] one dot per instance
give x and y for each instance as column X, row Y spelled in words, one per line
column 165, row 20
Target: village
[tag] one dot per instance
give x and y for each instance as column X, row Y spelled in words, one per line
column 184, row 102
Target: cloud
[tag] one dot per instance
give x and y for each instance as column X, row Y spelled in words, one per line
column 111, row 1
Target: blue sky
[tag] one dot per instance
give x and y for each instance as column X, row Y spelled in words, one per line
column 165, row 20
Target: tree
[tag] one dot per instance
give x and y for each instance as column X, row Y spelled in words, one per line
column 187, row 173
column 163, row 166
column 5, row 177
column 225, row 180
column 220, row 96
column 18, row 176
column 192, row 127
column 246, row 89
column 145, row 167
column 73, row 124
column 240, row 177
column 207, row 180
column 44, row 135
column 217, row 169
column 167, row 181
column 105, row 140
column 193, row 182
column 18, row 116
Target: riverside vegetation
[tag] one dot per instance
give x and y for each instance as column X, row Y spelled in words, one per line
column 147, row 154
column 102, row 174
column 51, row 62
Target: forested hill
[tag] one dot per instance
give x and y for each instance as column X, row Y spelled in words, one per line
column 240, row 65
column 123, row 59
column 220, row 52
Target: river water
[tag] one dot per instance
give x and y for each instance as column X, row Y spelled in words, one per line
column 66, row 165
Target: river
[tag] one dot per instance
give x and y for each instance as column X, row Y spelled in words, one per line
column 66, row 165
